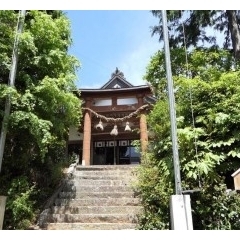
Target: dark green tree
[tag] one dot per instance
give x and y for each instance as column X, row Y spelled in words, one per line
column 43, row 107
column 198, row 27
column 207, row 107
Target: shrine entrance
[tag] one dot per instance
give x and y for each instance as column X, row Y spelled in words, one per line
column 113, row 116
column 104, row 153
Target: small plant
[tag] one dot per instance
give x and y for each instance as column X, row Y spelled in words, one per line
column 20, row 208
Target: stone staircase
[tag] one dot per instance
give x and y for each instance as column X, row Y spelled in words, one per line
column 95, row 198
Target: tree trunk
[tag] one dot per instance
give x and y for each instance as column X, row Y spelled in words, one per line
column 235, row 33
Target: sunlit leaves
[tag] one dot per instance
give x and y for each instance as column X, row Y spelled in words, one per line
column 45, row 79
column 42, row 101
column 39, row 128
column 207, row 64
column 207, row 101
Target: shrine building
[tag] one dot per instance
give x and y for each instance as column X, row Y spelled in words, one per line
column 113, row 117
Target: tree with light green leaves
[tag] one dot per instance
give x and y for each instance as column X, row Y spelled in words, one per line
column 207, row 96
column 44, row 104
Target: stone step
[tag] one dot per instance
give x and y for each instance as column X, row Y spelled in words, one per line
column 107, row 167
column 96, row 198
column 104, row 174
column 92, row 218
column 96, row 209
column 105, row 182
column 87, row 175
column 95, row 188
column 126, row 194
column 97, row 202
column 91, row 226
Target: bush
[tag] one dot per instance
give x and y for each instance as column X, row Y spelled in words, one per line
column 216, row 209
column 213, row 208
column 19, row 207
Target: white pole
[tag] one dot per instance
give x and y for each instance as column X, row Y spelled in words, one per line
column 12, row 76
column 180, row 208
column 171, row 106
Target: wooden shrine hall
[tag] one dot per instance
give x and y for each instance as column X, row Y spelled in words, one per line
column 113, row 117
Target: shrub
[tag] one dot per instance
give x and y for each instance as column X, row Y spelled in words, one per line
column 19, row 207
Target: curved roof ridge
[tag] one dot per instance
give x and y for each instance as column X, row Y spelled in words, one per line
column 117, row 80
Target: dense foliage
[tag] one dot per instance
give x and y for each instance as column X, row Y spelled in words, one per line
column 207, row 96
column 198, row 28
column 43, row 107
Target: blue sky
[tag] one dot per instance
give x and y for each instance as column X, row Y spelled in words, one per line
column 106, row 39
column 109, row 34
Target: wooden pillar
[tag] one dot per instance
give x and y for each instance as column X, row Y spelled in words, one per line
column 143, row 132
column 2, row 209
column 143, row 125
column 86, row 139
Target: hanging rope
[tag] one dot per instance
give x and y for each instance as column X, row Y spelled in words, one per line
column 116, row 119
column 191, row 102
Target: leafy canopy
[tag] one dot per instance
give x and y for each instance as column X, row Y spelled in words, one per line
column 44, row 104
column 207, row 95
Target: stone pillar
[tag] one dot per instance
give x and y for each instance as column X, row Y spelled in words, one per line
column 2, row 209
column 143, row 132
column 236, row 178
column 86, row 139
column 180, row 212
